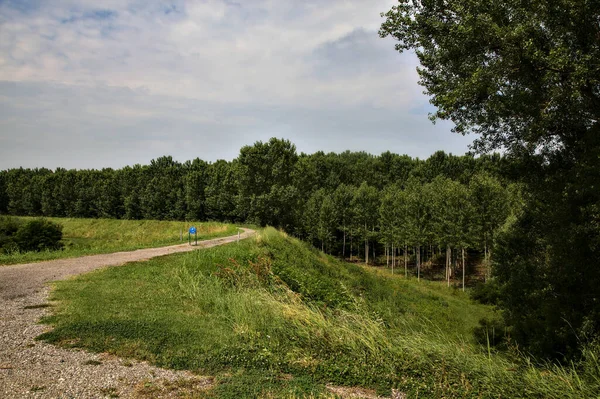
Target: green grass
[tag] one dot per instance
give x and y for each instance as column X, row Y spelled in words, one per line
column 96, row 236
column 272, row 317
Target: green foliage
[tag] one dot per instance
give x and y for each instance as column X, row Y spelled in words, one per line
column 24, row 236
column 3, row 193
column 487, row 293
column 521, row 75
column 264, row 172
column 8, row 227
column 39, row 235
column 365, row 209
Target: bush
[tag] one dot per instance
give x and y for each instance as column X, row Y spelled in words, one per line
column 38, row 235
column 487, row 293
column 8, row 228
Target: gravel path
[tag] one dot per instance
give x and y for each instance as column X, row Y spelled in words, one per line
column 33, row 369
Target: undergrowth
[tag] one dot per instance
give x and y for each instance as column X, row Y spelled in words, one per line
column 271, row 317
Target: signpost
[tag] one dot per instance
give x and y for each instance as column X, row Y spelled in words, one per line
column 191, row 231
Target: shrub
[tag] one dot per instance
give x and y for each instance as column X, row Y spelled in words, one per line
column 487, row 293
column 8, row 228
column 38, row 235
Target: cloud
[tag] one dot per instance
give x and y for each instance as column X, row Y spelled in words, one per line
column 89, row 86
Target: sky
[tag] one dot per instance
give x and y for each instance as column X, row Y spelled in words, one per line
column 92, row 84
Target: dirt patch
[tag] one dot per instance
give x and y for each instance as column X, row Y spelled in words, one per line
column 361, row 393
column 181, row 388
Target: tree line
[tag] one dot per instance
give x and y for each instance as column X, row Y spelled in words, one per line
column 268, row 184
column 411, row 220
column 392, row 204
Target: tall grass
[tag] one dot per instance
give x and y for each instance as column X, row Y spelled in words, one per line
column 271, row 317
column 95, row 236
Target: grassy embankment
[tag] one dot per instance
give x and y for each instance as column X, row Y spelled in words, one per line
column 272, row 317
column 96, row 236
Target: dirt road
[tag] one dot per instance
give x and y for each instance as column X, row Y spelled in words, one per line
column 30, row 368
column 25, row 279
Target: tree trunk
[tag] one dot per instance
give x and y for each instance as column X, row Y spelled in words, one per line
column 446, row 265
column 485, row 258
column 387, row 257
column 405, row 260
column 374, row 246
column 393, row 257
column 344, row 245
column 453, row 260
column 366, row 246
column 419, row 264
column 463, row 267
column 448, row 256
column 350, row 247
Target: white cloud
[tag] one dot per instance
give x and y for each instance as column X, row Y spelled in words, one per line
column 216, row 66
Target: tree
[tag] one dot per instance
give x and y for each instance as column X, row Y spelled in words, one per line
column 392, row 222
column 220, row 191
column 327, row 223
column 524, row 76
column 521, row 74
column 401, row 229
column 418, row 218
column 365, row 208
column 491, row 207
column 132, row 180
column 311, row 216
column 259, row 168
column 3, row 196
column 108, row 193
column 195, row 183
column 342, row 201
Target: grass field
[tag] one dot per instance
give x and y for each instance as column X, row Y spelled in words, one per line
column 95, row 236
column 271, row 317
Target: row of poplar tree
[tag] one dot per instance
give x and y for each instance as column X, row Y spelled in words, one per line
column 389, row 202
column 413, row 219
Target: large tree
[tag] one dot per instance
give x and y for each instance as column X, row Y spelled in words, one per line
column 264, row 174
column 525, row 76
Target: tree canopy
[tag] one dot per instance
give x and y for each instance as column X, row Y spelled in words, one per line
column 524, row 75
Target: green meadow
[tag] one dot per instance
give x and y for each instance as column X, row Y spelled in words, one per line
column 97, row 236
column 272, row 317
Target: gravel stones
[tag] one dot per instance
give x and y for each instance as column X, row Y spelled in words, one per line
column 35, row 369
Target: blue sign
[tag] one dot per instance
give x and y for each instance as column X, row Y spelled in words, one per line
column 192, row 230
